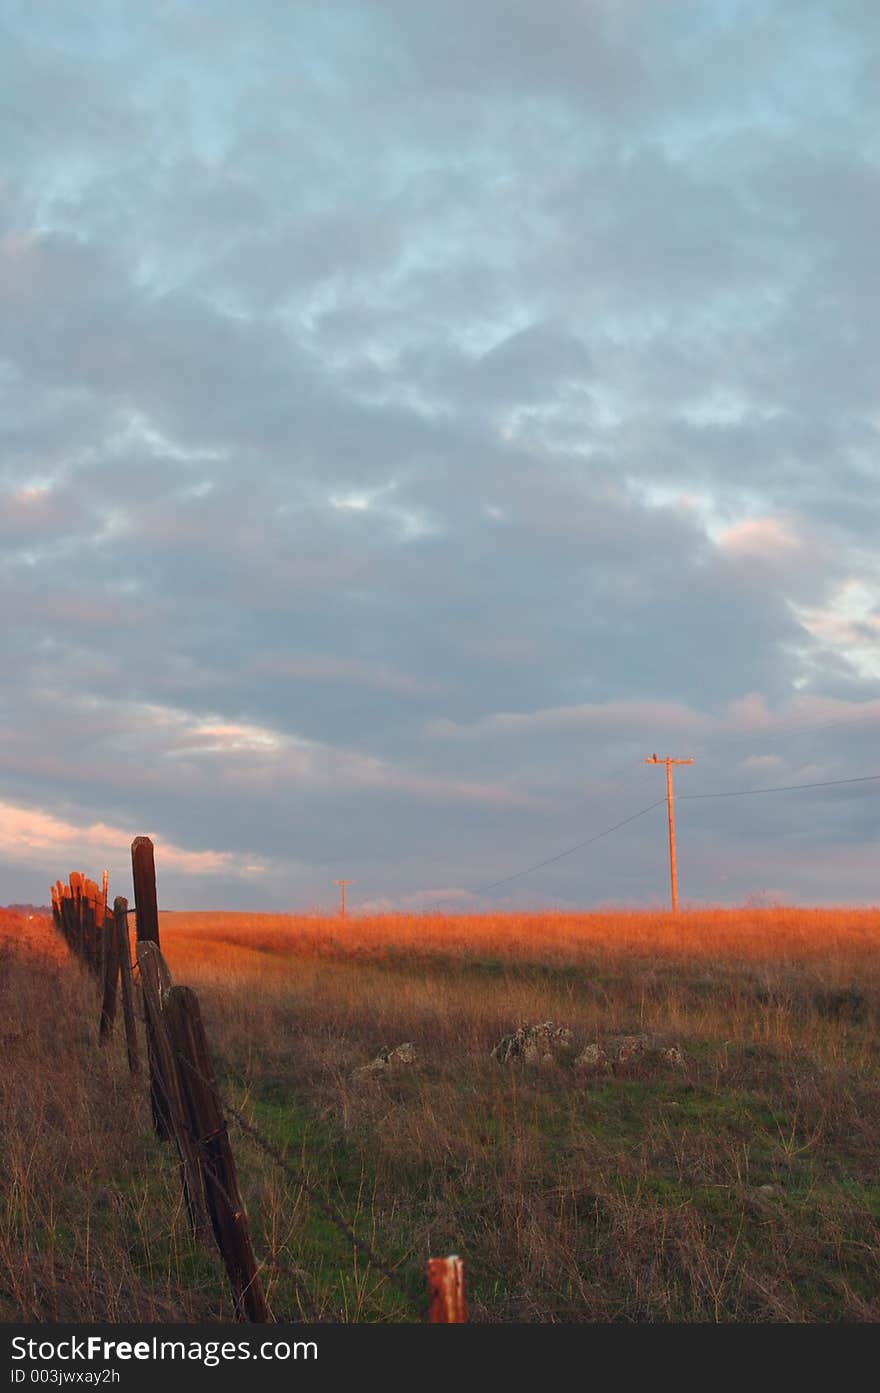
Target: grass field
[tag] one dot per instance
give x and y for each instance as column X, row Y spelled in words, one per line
column 741, row 1186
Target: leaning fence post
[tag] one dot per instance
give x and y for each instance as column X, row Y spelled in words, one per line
column 446, row 1303
column 166, row 1079
column 207, row 1124
column 123, row 948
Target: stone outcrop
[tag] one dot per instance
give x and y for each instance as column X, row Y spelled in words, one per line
column 649, row 1049
column 548, row 1043
column 544, row 1043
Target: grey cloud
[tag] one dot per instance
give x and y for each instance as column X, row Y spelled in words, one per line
column 361, row 375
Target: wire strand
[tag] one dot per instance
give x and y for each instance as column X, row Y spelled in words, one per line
column 780, row 788
column 580, row 845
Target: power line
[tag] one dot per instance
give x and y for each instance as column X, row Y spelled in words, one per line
column 480, row 889
column 781, row 788
column 730, row 793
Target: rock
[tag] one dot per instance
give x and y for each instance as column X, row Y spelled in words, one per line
column 630, row 1047
column 593, row 1058
column 535, row 1044
column 624, row 1049
column 388, row 1058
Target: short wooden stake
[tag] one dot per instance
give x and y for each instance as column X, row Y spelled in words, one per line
column 225, row 1204
column 446, row 1303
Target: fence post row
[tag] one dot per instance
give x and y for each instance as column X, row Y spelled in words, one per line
column 185, row 1103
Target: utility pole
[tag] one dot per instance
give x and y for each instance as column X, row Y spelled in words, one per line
column 673, row 880
column 342, row 884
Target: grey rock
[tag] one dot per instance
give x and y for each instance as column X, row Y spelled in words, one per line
column 535, row 1044
column 593, row 1059
column 623, row 1049
column 631, row 1047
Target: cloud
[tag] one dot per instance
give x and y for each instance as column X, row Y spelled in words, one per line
column 402, row 430
column 40, row 839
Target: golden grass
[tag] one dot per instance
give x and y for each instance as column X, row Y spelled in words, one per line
column 846, row 936
column 635, row 1197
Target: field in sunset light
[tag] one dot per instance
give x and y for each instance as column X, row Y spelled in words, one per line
column 723, row 1170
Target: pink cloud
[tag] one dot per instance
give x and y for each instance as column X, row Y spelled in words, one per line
column 762, row 537
column 39, row 837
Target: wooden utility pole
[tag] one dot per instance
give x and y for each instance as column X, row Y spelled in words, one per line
column 673, row 878
column 342, row 884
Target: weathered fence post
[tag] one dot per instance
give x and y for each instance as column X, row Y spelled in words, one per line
column 446, row 1303
column 87, row 919
column 123, row 948
column 166, row 1080
column 77, row 941
column 109, row 976
column 143, row 871
column 146, row 908
column 208, row 1126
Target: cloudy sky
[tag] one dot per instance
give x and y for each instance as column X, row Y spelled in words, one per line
column 414, row 415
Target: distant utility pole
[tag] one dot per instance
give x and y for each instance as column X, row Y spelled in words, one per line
column 673, row 881
column 342, row 884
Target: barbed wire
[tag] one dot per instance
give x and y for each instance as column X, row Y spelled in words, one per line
column 326, row 1207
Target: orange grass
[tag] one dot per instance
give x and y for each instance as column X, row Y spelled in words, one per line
column 844, row 939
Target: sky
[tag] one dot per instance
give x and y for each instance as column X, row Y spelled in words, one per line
column 414, row 416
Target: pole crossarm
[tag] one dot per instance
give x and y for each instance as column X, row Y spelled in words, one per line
column 669, row 760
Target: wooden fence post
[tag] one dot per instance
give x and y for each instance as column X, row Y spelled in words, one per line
column 446, row 1303
column 207, row 1124
column 75, row 881
column 166, row 1080
column 94, row 927
column 109, row 977
column 143, row 871
column 146, row 908
column 123, row 948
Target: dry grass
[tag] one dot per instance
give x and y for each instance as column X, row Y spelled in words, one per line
column 639, row 1196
